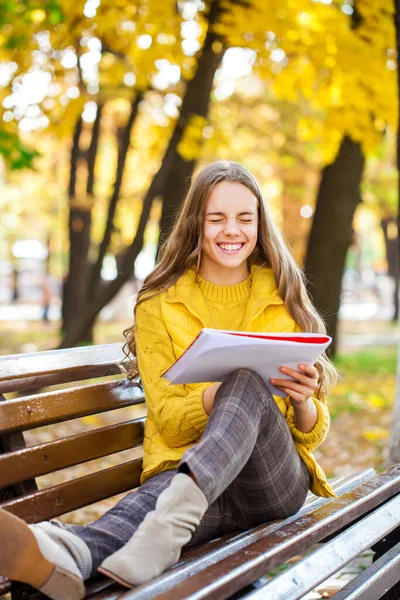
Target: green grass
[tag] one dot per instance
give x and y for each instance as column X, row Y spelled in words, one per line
column 367, row 381
column 377, row 360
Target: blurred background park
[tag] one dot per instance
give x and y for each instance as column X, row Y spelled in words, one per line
column 108, row 107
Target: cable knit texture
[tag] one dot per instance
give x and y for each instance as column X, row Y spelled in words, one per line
column 168, row 323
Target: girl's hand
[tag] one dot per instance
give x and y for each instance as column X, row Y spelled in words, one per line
column 300, row 393
column 304, row 386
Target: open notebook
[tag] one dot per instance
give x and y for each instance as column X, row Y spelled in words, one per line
column 215, row 354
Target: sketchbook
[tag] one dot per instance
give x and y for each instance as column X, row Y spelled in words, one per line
column 215, row 354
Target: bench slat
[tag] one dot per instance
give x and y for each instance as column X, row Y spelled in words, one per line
column 5, row 586
column 46, row 458
column 36, row 364
column 100, row 587
column 297, row 581
column 65, row 497
column 233, row 573
column 374, row 581
column 54, row 407
column 197, row 559
column 40, row 381
column 21, row 372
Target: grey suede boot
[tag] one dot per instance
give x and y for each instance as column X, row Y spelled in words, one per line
column 159, row 539
column 52, row 560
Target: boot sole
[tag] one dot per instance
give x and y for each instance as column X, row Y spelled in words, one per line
column 112, row 575
column 20, row 555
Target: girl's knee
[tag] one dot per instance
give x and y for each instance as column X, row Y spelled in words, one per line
column 247, row 373
column 245, row 377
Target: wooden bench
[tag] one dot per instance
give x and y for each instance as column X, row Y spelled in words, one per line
column 366, row 513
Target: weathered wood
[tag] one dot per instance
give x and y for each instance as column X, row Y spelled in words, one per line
column 36, row 383
column 10, row 443
column 376, row 580
column 228, row 567
column 197, row 559
column 65, row 497
column 67, row 452
column 229, row 575
column 99, row 587
column 297, row 581
column 104, row 589
column 58, row 366
column 5, row 586
column 55, row 407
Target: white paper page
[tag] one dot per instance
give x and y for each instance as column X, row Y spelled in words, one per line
column 215, row 356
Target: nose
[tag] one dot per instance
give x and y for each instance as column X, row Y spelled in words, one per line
column 231, row 227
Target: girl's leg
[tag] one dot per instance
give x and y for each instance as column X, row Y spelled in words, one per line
column 48, row 558
column 247, row 439
column 58, row 558
column 117, row 525
column 247, row 454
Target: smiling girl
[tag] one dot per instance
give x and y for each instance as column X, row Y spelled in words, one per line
column 218, row 457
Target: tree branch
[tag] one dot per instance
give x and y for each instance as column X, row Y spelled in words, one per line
column 95, row 276
column 92, row 151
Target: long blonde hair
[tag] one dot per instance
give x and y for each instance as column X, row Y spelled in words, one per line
column 182, row 250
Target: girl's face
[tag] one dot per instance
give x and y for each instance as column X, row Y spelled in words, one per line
column 230, row 233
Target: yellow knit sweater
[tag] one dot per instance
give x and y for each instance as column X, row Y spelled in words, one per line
column 165, row 326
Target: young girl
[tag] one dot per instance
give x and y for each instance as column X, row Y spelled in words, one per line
column 217, row 456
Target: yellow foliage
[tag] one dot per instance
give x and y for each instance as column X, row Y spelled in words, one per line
column 376, row 434
column 308, row 53
column 190, row 145
column 375, row 401
column 339, row 69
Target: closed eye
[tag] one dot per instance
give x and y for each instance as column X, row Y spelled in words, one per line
column 221, row 220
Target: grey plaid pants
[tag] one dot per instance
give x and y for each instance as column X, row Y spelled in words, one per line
column 246, row 464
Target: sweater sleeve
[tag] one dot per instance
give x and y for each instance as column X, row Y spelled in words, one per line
column 177, row 410
column 316, row 436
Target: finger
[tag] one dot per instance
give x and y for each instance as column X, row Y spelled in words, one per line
column 282, row 382
column 295, row 387
column 310, row 370
column 298, row 398
column 299, row 376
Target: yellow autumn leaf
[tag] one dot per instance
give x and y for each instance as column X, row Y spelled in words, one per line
column 375, row 434
column 375, row 401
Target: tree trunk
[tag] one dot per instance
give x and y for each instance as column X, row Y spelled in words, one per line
column 197, row 102
column 191, row 104
column 75, row 286
column 331, row 232
column 14, row 282
column 394, row 440
column 396, row 299
column 392, row 245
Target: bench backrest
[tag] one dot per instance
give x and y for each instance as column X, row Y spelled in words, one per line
column 20, row 465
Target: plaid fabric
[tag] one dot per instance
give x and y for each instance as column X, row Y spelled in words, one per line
column 247, row 454
column 109, row 533
column 245, row 463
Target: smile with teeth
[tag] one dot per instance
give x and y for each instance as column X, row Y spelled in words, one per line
column 230, row 247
